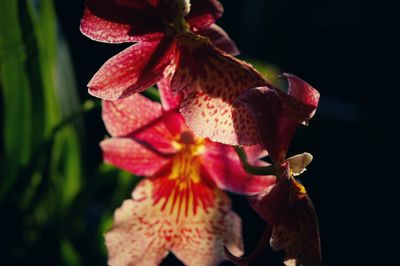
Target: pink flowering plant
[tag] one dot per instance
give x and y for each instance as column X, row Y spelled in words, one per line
column 181, row 146
column 179, row 206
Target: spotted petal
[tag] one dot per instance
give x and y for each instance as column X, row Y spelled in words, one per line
column 170, row 99
column 141, row 119
column 138, row 236
column 288, row 209
column 120, row 21
column 133, row 70
column 144, row 231
column 211, row 81
column 278, row 114
column 227, row 172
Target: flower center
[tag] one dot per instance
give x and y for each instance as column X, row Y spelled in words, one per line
column 185, row 186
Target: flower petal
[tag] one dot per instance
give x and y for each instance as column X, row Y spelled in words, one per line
column 203, row 239
column 278, row 114
column 169, row 99
column 211, row 81
column 132, row 156
column 227, row 172
column 127, row 115
column 203, row 220
column 287, row 207
column 219, row 120
column 301, row 101
column 139, row 235
column 302, row 91
column 299, row 162
column 203, row 13
column 112, row 22
column 144, row 231
column 142, row 119
column 132, row 70
column 220, row 38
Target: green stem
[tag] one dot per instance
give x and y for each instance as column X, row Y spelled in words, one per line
column 251, row 169
column 87, row 107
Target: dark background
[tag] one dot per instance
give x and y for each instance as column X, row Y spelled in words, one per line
column 326, row 44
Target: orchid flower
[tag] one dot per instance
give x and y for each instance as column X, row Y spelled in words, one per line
column 179, row 206
column 156, row 27
column 185, row 51
column 285, row 205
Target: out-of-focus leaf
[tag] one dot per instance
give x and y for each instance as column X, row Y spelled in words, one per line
column 16, row 96
column 152, row 93
column 69, row 255
column 269, row 71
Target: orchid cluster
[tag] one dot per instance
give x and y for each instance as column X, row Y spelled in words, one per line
column 189, row 146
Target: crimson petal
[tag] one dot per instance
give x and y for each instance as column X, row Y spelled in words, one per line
column 227, row 172
column 132, row 156
column 278, row 114
column 112, row 22
column 141, row 119
column 220, row 38
column 203, row 13
column 295, row 226
column 132, row 70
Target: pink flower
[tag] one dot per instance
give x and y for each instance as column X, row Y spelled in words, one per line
column 285, row 205
column 156, row 26
column 192, row 58
column 179, row 207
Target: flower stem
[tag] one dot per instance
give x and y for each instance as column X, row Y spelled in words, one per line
column 87, row 106
column 251, row 169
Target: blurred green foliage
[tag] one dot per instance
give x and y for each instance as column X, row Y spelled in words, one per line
column 52, row 212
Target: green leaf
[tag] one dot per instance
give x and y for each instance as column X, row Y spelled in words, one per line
column 16, row 96
column 69, row 254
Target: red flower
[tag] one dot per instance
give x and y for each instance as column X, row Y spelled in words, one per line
column 285, row 206
column 179, row 207
column 198, row 67
column 156, row 29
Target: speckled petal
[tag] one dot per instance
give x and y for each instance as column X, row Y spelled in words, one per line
column 127, row 115
column 169, row 99
column 144, row 230
column 112, row 22
column 211, row 81
column 202, row 237
column 132, row 156
column 141, row 119
column 220, row 38
column 278, row 114
column 227, row 172
column 203, row 13
column 287, row 207
column 140, row 234
column 132, row 70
